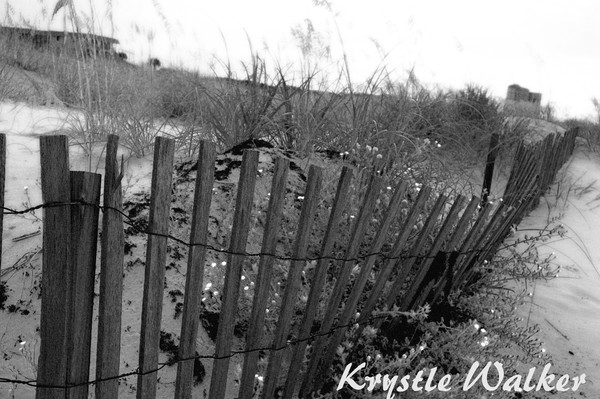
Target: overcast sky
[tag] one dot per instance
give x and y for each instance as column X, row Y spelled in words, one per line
column 552, row 47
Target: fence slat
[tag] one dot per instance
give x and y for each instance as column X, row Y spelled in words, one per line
column 517, row 157
column 318, row 280
column 56, row 260
column 467, row 245
column 415, row 252
column 84, row 234
column 409, row 296
column 156, row 257
column 263, row 278
column 292, row 284
column 528, row 167
column 311, row 380
column 2, row 186
column 349, row 309
column 498, row 233
column 239, row 237
column 111, row 277
column 205, row 172
column 388, row 267
column 489, row 167
column 452, row 245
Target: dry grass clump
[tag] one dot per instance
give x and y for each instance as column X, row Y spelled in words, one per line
column 303, row 114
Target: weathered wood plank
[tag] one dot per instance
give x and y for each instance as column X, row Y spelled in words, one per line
column 56, row 262
column 231, row 287
column 394, row 255
column 111, row 277
column 156, row 257
column 409, row 298
column 205, row 172
column 292, row 284
column 2, row 186
column 318, row 280
column 311, row 380
column 349, row 309
column 85, row 187
column 263, row 278
column 489, row 166
column 414, row 254
column 452, row 245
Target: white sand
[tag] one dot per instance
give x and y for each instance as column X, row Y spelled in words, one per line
column 567, row 308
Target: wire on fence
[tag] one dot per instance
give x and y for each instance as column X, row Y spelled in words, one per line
column 161, row 366
column 131, row 222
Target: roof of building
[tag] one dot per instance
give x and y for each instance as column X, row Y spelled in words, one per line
column 39, row 32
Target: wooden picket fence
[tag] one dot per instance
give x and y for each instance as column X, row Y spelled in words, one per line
column 407, row 276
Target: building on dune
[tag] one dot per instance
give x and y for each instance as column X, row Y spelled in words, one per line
column 62, row 41
column 521, row 100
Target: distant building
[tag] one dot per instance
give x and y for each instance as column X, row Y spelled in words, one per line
column 517, row 93
column 72, row 42
column 520, row 98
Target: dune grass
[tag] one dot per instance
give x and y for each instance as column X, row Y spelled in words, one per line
column 427, row 135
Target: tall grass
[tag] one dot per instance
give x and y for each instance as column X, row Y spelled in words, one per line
column 302, row 114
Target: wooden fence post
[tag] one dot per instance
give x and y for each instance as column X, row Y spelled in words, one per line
column 111, row 277
column 85, row 187
column 205, row 176
column 349, row 308
column 56, row 261
column 263, row 278
column 292, row 284
column 416, row 284
column 414, row 254
column 451, row 246
column 2, row 185
column 311, row 380
column 393, row 259
column 156, row 257
column 318, row 280
column 239, row 238
column 489, row 167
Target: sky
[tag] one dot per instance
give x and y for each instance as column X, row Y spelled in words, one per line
column 552, row 47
